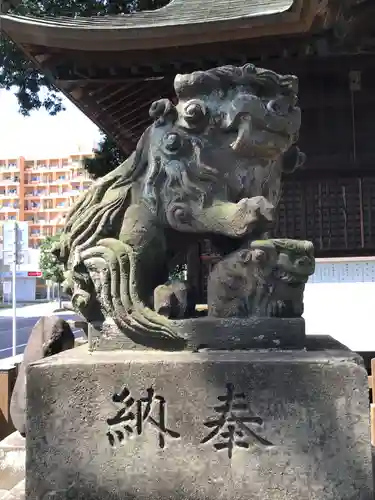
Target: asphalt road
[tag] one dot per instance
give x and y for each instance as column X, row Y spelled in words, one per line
column 25, row 322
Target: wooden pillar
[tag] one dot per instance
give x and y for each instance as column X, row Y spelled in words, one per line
column 8, row 377
column 372, row 405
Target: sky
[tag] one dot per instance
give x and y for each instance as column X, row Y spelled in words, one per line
column 41, row 135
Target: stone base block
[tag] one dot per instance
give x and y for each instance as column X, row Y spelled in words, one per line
column 213, row 333
column 205, row 426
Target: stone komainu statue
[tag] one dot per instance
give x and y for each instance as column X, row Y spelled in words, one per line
column 209, row 166
column 267, row 279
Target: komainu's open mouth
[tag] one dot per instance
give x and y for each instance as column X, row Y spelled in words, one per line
column 256, row 137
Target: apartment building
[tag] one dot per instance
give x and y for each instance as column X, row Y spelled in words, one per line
column 41, row 192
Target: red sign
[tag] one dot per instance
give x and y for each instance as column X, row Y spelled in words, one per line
column 34, row 274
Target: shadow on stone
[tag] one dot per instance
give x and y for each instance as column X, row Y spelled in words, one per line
column 51, row 335
column 314, row 410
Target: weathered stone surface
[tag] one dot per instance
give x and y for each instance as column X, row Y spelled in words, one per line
column 219, row 333
column 171, row 299
column 296, row 426
column 49, row 336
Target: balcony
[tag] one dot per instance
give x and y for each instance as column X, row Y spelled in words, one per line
column 59, row 195
column 9, row 168
column 8, row 181
column 58, row 209
column 60, row 181
column 43, row 167
column 76, row 164
column 42, row 181
column 8, row 194
column 81, row 177
column 9, row 209
column 35, row 195
column 45, row 222
column 32, row 208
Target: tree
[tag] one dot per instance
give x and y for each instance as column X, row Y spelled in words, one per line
column 178, row 273
column 18, row 74
column 51, row 269
column 107, row 157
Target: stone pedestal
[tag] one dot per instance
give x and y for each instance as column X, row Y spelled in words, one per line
column 223, row 425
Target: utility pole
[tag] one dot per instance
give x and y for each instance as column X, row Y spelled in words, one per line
column 15, row 242
column 14, row 289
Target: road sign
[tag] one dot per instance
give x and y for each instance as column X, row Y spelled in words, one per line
column 22, row 235
column 21, row 257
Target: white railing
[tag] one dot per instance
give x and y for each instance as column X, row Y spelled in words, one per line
column 344, row 270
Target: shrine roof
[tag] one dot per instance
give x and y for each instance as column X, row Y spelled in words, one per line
column 182, row 22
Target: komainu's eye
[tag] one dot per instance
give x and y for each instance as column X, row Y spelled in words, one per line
column 172, row 142
column 194, row 112
column 280, row 106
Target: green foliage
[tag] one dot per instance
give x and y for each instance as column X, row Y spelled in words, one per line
column 51, row 269
column 178, row 273
column 107, row 157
